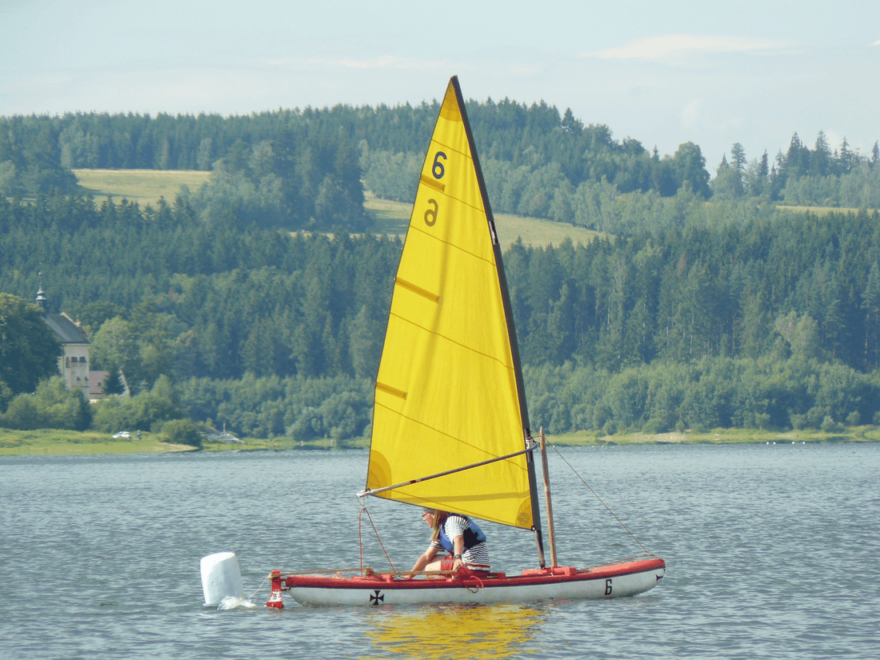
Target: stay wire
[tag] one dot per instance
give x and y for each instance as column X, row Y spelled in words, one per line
column 376, row 532
column 597, row 496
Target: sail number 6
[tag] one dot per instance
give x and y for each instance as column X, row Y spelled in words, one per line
column 437, row 169
column 431, row 214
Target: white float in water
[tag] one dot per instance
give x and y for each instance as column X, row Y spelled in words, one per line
column 221, row 577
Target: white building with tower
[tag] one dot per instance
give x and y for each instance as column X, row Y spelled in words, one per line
column 74, row 362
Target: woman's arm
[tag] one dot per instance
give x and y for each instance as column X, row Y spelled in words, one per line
column 458, row 544
column 426, row 558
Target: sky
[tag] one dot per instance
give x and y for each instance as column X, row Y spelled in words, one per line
column 663, row 73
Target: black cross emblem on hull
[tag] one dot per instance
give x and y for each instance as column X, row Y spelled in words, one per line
column 376, row 596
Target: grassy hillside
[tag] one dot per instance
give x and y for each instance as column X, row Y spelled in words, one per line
column 535, row 231
column 393, row 217
column 51, row 442
column 816, row 210
column 142, row 186
column 147, row 186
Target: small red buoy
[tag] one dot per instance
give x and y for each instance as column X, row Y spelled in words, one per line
column 275, row 597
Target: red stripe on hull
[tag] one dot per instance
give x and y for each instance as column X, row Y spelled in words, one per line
column 559, row 575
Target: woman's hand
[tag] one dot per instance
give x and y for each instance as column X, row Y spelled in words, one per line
column 458, row 545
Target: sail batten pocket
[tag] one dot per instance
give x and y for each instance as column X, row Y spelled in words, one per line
column 417, row 289
column 431, row 183
column 391, row 390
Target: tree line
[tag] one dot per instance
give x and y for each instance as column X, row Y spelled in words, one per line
column 713, row 392
column 803, row 176
column 298, row 175
column 520, row 136
column 224, row 316
column 304, row 167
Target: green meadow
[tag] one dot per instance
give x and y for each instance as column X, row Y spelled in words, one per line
column 816, row 210
column 148, row 186
column 52, row 442
column 393, row 217
column 48, row 442
column 141, row 186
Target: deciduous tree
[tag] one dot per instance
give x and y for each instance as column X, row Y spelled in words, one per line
column 29, row 350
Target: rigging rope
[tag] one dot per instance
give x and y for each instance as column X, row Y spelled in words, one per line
column 597, row 497
column 260, row 587
column 376, row 532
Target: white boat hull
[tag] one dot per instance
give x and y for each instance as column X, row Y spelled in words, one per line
column 625, row 579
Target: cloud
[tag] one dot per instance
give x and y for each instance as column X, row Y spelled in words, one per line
column 876, row 43
column 676, row 45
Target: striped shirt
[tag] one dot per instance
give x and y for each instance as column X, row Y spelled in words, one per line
column 476, row 557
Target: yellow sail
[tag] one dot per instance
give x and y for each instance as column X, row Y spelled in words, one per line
column 447, row 390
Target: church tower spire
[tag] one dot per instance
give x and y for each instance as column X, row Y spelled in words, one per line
column 41, row 297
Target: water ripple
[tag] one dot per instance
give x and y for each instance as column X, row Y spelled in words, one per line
column 770, row 553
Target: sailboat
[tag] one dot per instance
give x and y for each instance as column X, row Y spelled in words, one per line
column 450, row 422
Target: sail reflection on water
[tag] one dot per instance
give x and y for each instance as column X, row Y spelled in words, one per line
column 498, row 631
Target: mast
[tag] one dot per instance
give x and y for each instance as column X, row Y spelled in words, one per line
column 508, row 313
column 548, row 500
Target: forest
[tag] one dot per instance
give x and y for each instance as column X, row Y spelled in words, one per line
column 301, row 167
column 279, row 333
column 706, row 304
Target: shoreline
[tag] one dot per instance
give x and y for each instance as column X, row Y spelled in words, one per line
column 49, row 442
column 866, row 433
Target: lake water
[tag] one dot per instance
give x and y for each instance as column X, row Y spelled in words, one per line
column 772, row 552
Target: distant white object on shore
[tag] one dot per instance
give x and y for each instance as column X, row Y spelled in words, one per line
column 213, row 435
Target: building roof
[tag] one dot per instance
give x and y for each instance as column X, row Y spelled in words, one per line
column 66, row 330
column 96, row 383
